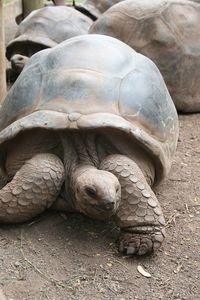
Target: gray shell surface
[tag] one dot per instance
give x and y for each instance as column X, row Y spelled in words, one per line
column 76, row 85
column 168, row 32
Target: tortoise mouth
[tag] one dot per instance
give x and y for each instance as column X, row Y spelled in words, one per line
column 98, row 212
column 103, row 208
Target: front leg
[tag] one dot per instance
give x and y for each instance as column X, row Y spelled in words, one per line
column 33, row 189
column 139, row 216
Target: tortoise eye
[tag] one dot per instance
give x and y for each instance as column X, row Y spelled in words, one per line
column 91, row 192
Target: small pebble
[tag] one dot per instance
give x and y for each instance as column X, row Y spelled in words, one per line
column 17, row 264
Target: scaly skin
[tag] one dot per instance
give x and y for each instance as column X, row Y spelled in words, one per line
column 139, row 216
column 34, row 188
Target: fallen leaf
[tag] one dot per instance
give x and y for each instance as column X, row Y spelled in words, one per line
column 109, row 264
column 143, row 272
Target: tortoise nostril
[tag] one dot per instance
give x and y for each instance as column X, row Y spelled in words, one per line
column 109, row 205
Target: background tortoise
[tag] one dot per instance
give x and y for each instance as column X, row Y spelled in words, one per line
column 168, row 33
column 44, row 28
column 104, row 124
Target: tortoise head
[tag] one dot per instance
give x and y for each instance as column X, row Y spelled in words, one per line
column 97, row 193
column 21, row 52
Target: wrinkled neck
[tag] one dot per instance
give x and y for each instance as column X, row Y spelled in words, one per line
column 79, row 148
column 77, row 160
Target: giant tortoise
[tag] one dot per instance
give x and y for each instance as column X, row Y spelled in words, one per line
column 168, row 32
column 95, row 132
column 44, row 28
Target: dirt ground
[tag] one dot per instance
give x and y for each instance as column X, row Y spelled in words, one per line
column 59, row 256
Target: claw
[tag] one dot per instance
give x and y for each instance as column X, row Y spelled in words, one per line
column 138, row 244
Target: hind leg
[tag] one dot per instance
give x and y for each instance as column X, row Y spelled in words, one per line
column 34, row 188
column 139, row 216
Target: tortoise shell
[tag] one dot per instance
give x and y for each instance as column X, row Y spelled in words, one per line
column 48, row 27
column 168, row 33
column 115, row 89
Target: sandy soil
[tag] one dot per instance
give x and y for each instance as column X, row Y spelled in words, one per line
column 59, row 256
